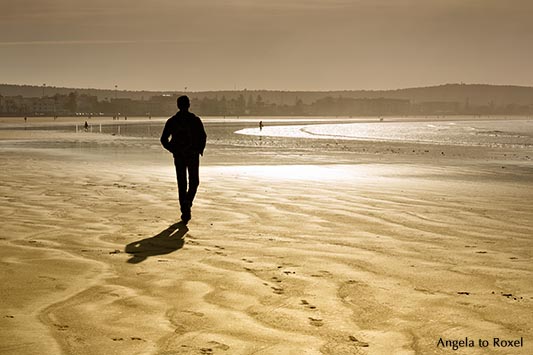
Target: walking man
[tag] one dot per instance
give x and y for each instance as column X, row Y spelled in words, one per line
column 187, row 143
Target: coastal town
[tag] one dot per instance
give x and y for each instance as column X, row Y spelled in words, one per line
column 487, row 100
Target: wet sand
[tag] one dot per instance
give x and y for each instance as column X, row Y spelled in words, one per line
column 295, row 247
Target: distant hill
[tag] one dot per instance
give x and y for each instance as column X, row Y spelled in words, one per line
column 474, row 94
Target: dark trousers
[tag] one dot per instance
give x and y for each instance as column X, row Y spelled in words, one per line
column 187, row 165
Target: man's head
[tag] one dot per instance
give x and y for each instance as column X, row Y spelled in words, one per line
column 184, row 103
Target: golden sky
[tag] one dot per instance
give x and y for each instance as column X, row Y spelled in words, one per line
column 272, row 44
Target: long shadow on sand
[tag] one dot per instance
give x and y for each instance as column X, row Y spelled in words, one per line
column 167, row 241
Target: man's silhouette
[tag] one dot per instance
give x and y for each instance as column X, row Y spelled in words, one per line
column 187, row 143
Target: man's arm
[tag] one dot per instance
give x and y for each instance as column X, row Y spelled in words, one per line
column 202, row 137
column 164, row 137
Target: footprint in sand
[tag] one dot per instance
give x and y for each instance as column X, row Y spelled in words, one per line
column 426, row 291
column 321, row 273
column 352, row 281
column 306, row 304
column 317, row 322
column 117, row 339
column 61, row 327
column 358, row 342
column 217, row 345
column 276, row 279
column 510, row 296
column 277, row 290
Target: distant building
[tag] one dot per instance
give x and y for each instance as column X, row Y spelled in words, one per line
column 45, row 105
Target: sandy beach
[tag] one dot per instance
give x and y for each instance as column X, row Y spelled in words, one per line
column 295, row 247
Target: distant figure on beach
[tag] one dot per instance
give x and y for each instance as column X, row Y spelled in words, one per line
column 260, row 125
column 187, row 143
column 25, row 119
column 86, row 126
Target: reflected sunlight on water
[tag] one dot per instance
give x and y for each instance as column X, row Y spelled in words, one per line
column 515, row 133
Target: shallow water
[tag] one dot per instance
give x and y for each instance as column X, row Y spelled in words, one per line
column 493, row 133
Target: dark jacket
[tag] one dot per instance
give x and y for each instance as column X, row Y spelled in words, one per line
column 186, row 133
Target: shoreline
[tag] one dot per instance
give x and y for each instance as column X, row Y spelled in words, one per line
column 49, row 121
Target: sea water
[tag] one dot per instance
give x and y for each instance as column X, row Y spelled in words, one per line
column 494, row 133
column 511, row 133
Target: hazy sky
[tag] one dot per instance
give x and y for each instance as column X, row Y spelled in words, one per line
column 265, row 44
